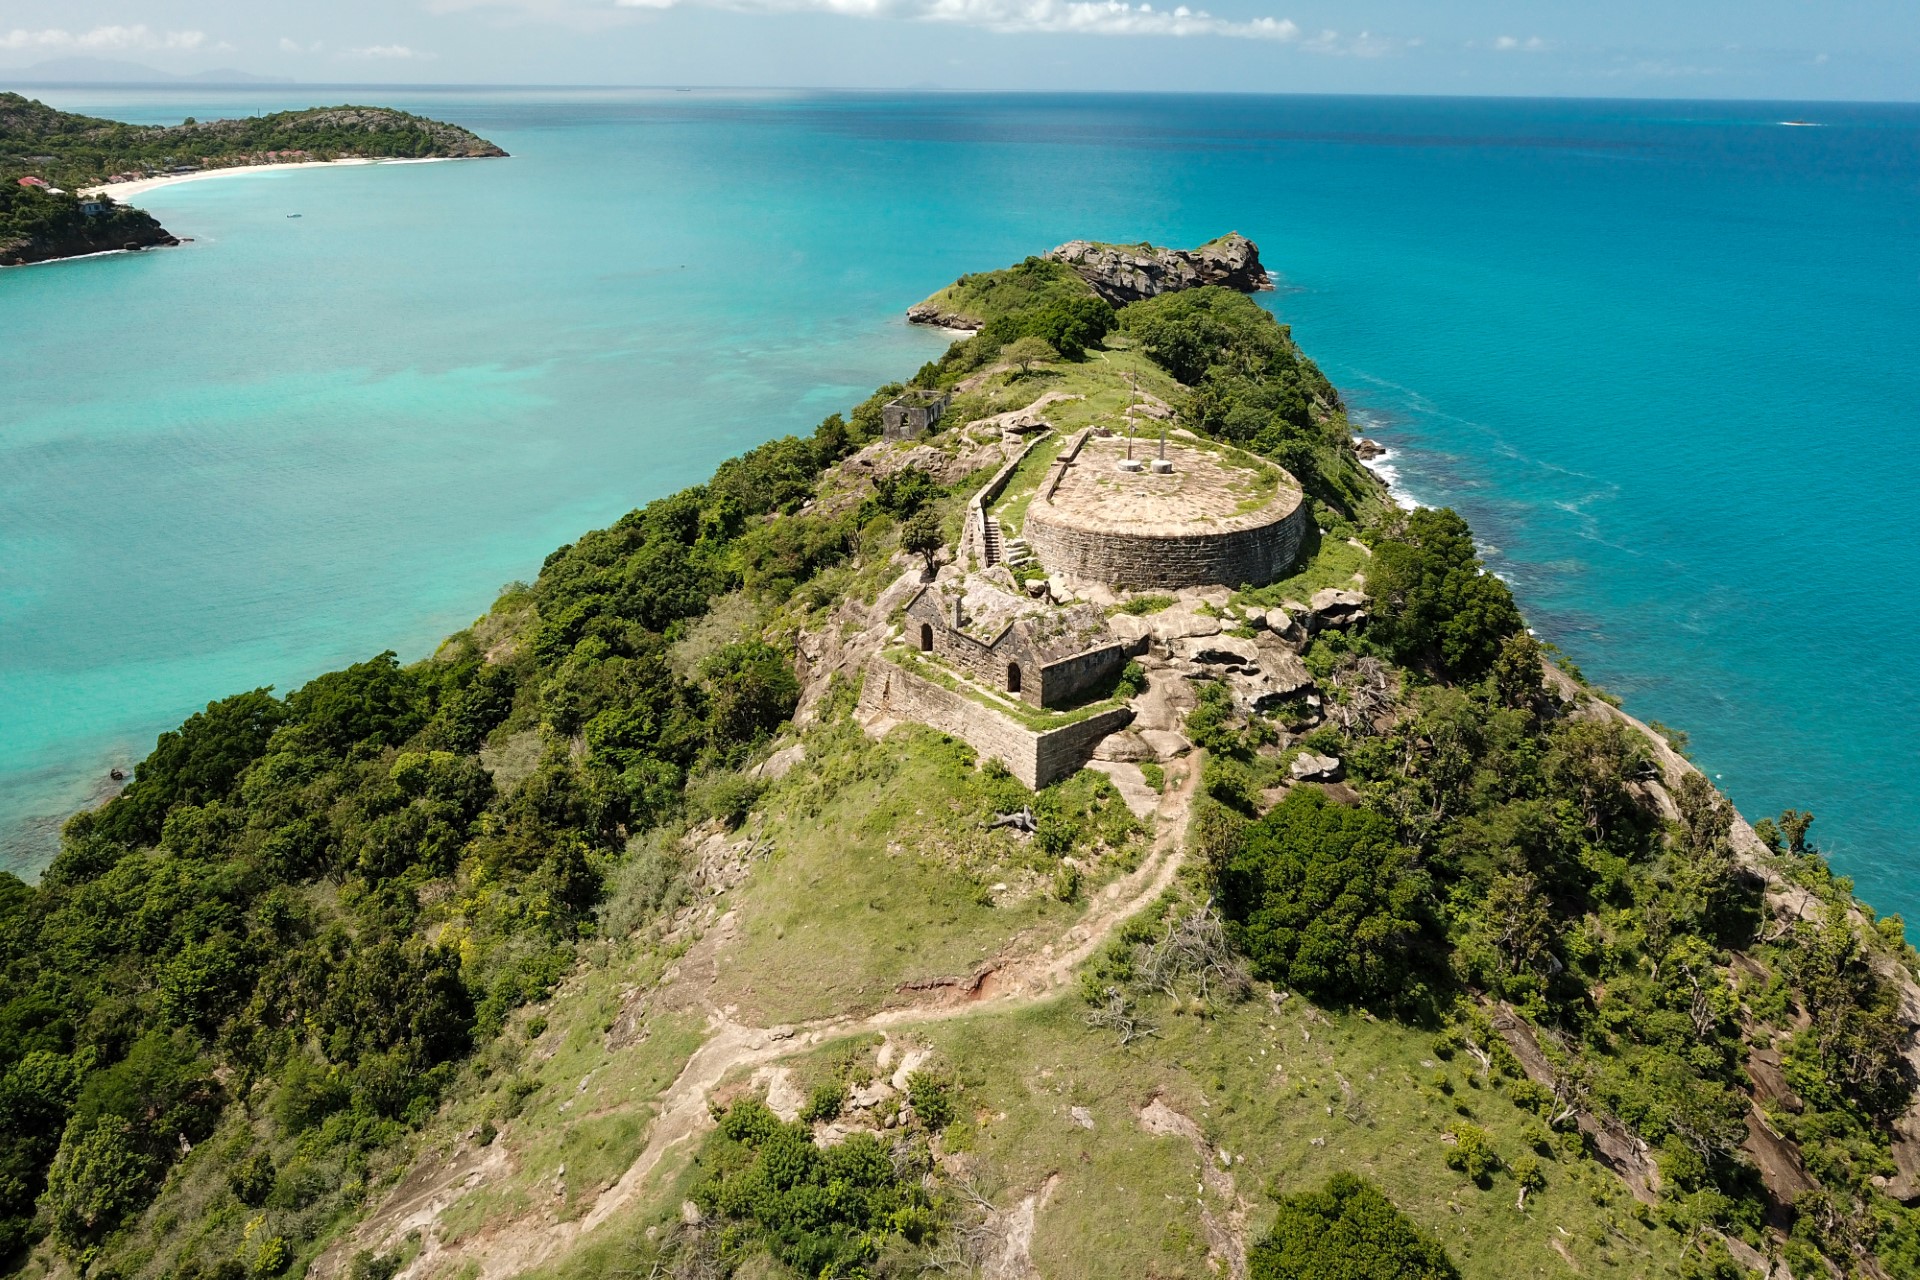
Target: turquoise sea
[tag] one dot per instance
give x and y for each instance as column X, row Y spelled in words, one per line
column 1665, row 356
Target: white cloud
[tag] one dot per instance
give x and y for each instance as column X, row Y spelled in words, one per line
column 1085, row 17
column 1364, row 45
column 1513, row 44
column 397, row 51
column 138, row 36
column 289, row 45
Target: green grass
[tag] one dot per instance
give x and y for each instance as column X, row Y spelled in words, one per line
column 1265, row 1086
column 986, row 295
column 1011, row 509
column 881, row 871
column 1330, row 562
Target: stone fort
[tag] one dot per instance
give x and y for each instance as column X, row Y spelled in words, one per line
column 1106, row 514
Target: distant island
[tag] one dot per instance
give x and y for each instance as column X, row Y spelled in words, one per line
column 53, row 165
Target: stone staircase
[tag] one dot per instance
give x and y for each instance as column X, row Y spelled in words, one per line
column 1018, row 553
column 991, row 547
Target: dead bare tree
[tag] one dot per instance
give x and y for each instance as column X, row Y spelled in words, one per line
column 1116, row 1013
column 1367, row 687
column 1195, row 946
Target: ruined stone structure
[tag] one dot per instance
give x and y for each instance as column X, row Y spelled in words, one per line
column 1038, row 759
column 1041, row 654
column 910, row 416
column 1209, row 517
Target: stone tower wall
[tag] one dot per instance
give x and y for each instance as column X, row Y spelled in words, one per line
column 1144, row 559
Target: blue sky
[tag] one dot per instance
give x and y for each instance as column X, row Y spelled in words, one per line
column 1638, row 48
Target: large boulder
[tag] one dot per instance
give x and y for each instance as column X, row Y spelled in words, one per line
column 1334, row 609
column 1217, row 650
column 1312, row 768
column 1123, row 273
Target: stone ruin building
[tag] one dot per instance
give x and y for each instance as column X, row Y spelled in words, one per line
column 1042, row 654
column 912, row 415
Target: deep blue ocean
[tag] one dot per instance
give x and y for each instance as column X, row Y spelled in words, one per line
column 1664, row 356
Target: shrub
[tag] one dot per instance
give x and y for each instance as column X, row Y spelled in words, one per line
column 820, row 1212
column 1066, row 883
column 97, row 1181
column 932, row 1099
column 1348, row 1230
column 1472, row 1153
column 824, row 1102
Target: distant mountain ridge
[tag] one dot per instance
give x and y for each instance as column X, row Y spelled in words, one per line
column 117, row 71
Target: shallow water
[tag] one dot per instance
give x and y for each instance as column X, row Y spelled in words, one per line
column 1660, row 354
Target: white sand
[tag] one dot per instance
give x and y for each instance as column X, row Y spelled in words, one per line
column 126, row 190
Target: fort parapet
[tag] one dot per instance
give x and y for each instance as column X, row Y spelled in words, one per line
column 1208, row 517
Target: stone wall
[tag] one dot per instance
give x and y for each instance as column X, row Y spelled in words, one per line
column 973, row 538
column 1067, row 679
column 1037, row 759
column 1233, row 559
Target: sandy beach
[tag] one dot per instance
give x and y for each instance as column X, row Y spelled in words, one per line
column 140, row 186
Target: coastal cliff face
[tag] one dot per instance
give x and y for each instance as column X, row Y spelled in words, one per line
column 44, row 228
column 1123, row 273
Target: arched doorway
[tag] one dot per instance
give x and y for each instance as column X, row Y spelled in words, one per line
column 926, row 637
column 1013, row 677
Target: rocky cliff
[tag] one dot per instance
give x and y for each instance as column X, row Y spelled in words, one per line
column 55, row 227
column 1123, row 273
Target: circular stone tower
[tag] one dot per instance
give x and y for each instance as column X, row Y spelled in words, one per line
column 1213, row 516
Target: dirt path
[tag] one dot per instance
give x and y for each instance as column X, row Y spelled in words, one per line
column 1009, row 981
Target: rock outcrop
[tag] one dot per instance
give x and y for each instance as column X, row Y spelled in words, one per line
column 1123, row 273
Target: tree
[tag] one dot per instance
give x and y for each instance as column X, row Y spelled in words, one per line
column 1348, row 1230
column 921, row 536
column 198, row 762
column 752, row 689
column 1434, row 601
column 98, row 1180
column 1027, row 352
column 1325, row 898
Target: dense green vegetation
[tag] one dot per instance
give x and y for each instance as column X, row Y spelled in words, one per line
column 1027, row 288
column 1499, row 846
column 821, row 1212
column 1347, row 1230
column 36, row 223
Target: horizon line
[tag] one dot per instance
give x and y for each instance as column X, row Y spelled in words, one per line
column 188, row 83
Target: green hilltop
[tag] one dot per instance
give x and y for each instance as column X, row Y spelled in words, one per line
column 613, row 938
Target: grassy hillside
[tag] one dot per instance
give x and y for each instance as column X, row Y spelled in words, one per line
column 607, row 938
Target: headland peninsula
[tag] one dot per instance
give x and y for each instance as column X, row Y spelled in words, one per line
column 63, row 176
column 888, row 859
